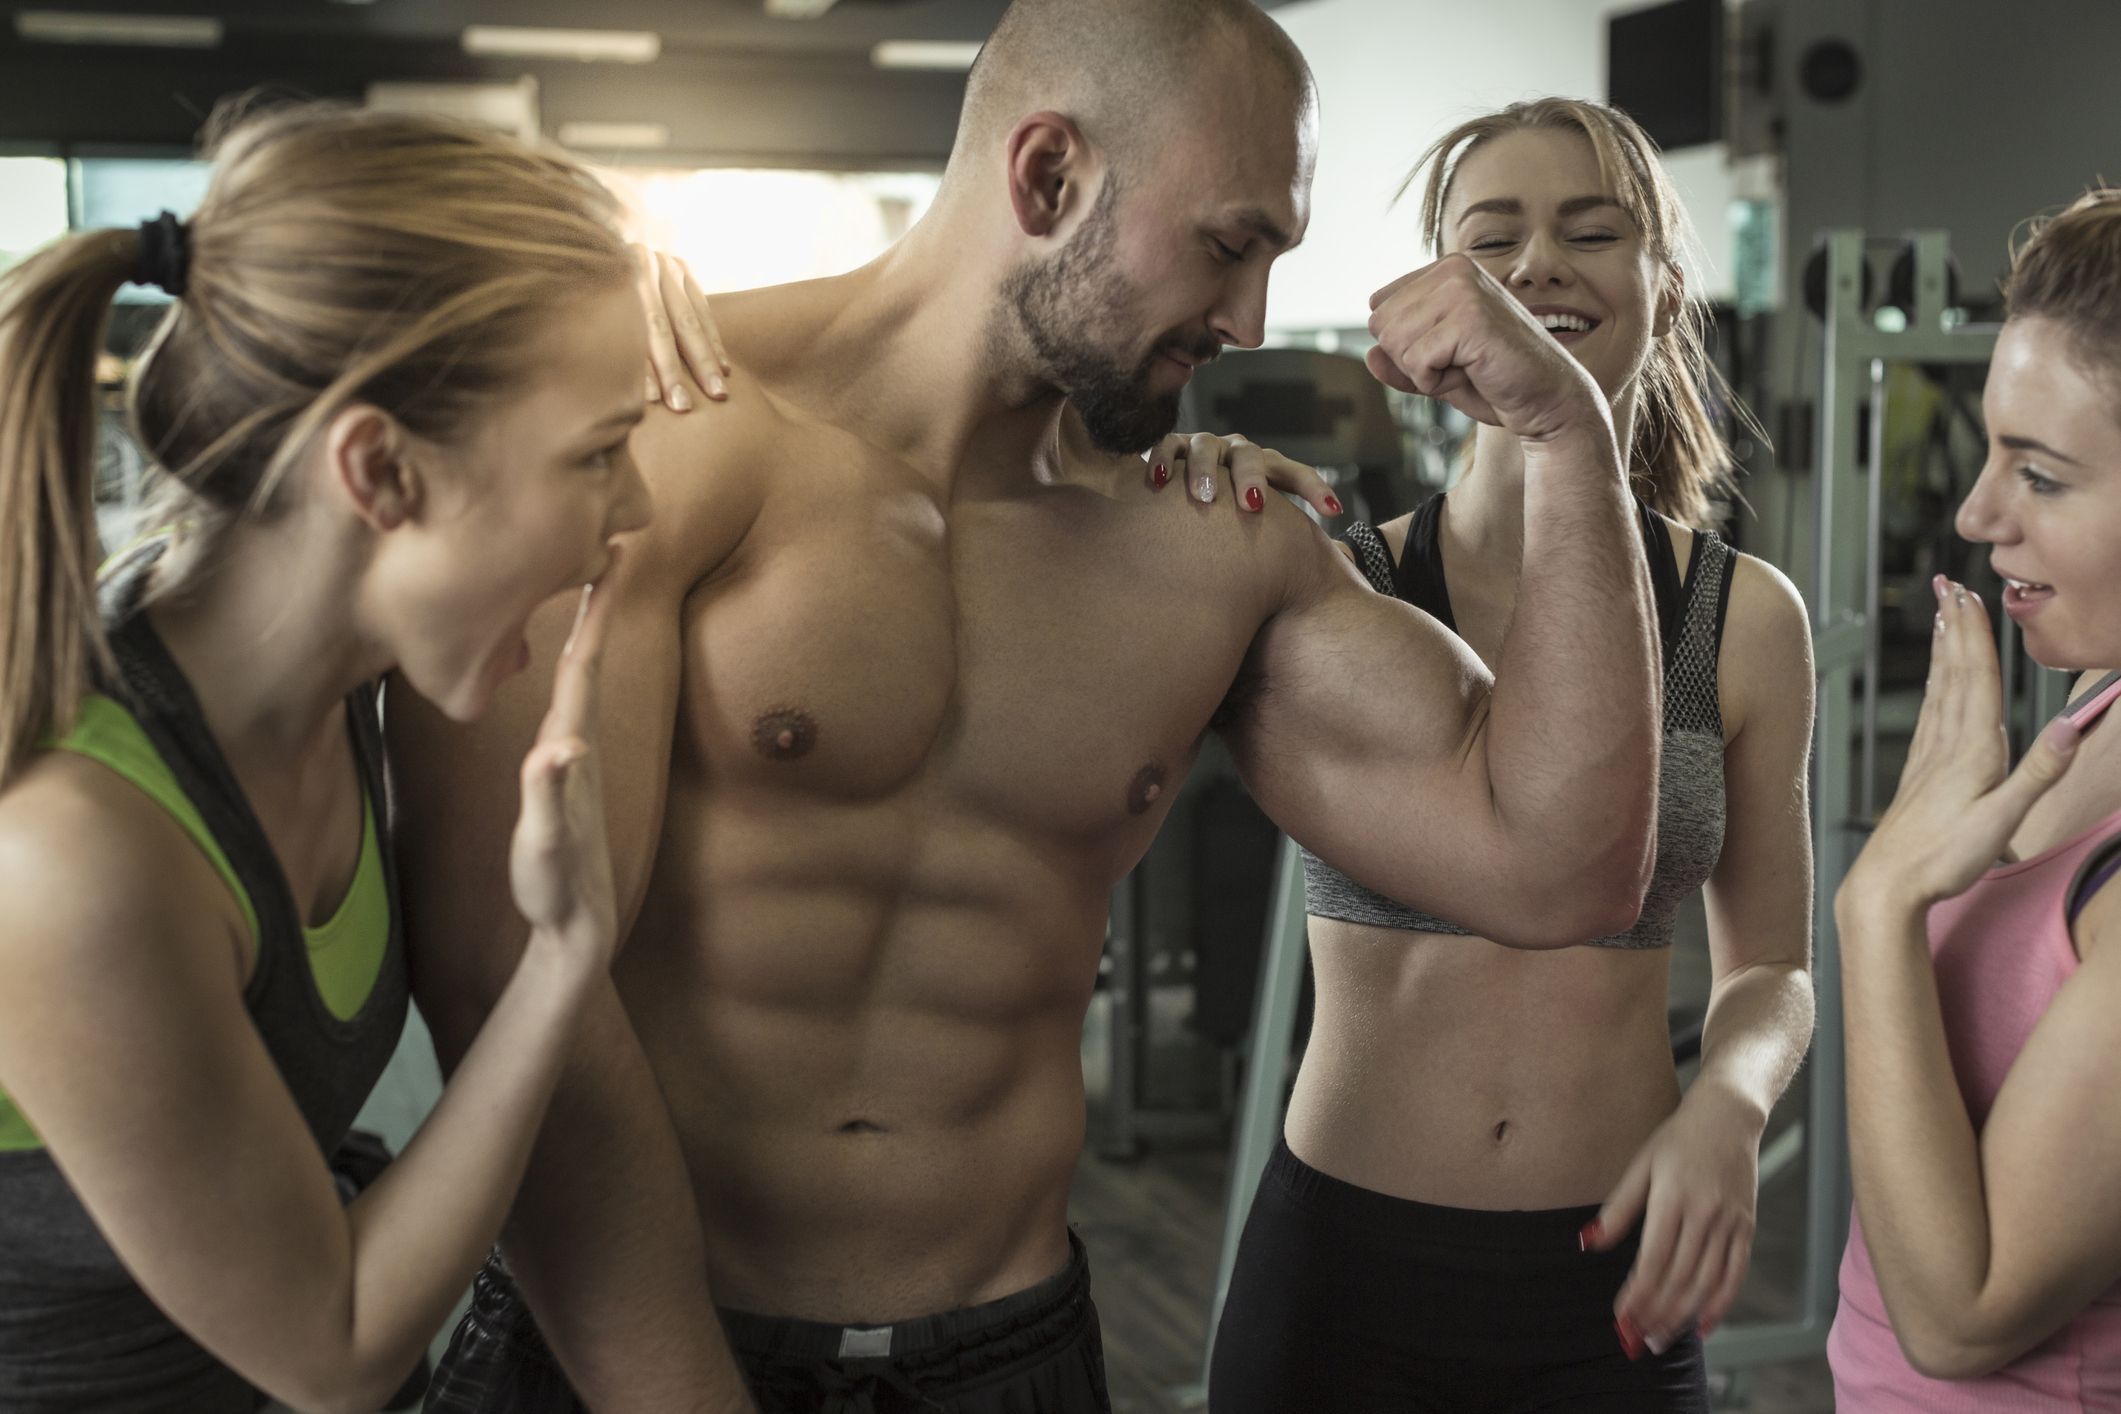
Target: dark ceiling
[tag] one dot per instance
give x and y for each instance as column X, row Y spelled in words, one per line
column 687, row 26
column 733, row 84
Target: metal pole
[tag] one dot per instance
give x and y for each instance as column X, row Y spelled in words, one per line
column 1124, row 947
column 1266, row 1097
column 1836, row 603
column 1873, row 573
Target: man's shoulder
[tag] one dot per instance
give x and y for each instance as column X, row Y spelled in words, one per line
column 1262, row 566
column 711, row 470
column 708, row 473
column 774, row 337
column 1296, row 551
column 782, row 338
column 771, row 326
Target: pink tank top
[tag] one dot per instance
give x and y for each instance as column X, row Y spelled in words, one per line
column 2002, row 951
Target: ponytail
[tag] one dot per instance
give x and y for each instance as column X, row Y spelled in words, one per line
column 338, row 255
column 1678, row 458
column 54, row 308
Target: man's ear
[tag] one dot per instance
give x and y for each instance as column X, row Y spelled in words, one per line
column 1048, row 165
column 1670, row 300
column 364, row 450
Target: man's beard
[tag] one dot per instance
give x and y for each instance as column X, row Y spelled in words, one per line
column 1061, row 305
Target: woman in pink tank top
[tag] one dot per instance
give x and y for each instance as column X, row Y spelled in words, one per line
column 1983, row 999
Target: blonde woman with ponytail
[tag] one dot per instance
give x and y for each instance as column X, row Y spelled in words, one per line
column 389, row 407
column 1492, row 1194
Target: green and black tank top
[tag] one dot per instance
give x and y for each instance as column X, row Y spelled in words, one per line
column 76, row 1332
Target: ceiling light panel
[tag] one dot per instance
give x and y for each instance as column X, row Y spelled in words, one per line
column 604, row 136
column 946, row 55
column 609, row 46
column 158, row 31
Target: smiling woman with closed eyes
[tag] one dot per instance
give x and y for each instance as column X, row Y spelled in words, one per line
column 1492, row 1194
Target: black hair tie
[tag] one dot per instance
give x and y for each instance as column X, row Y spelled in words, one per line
column 165, row 254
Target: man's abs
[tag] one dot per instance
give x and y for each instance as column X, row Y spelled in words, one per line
column 879, row 1091
column 920, row 734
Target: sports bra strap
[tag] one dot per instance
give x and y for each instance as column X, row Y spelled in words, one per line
column 1666, row 590
column 1723, row 590
column 1372, row 556
column 2098, row 867
column 2088, row 708
column 1417, row 576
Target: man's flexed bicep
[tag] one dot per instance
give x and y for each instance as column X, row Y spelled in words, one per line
column 1522, row 808
column 1361, row 726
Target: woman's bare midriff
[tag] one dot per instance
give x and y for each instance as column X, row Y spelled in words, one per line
column 1453, row 1071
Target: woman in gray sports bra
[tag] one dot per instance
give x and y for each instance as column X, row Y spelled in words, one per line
column 1492, row 1194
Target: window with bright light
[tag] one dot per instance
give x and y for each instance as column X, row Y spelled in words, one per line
column 741, row 228
column 738, row 228
column 32, row 205
column 124, row 191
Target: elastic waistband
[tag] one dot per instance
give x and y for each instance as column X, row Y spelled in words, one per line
column 1405, row 1219
column 1056, row 1302
column 787, row 1337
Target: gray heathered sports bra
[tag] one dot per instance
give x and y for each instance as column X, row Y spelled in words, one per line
column 1690, row 787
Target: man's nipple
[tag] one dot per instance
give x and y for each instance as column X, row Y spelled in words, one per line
column 1146, row 789
column 784, row 734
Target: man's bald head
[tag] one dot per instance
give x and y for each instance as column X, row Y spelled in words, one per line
column 1119, row 69
column 1129, row 170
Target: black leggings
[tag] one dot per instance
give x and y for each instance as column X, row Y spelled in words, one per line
column 1349, row 1300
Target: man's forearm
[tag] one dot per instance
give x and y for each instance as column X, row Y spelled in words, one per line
column 1574, row 720
column 605, row 1239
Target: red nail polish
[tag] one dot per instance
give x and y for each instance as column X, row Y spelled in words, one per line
column 1161, row 474
column 1253, row 500
column 1333, row 504
column 1630, row 1338
column 1708, row 1328
column 1591, row 1233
